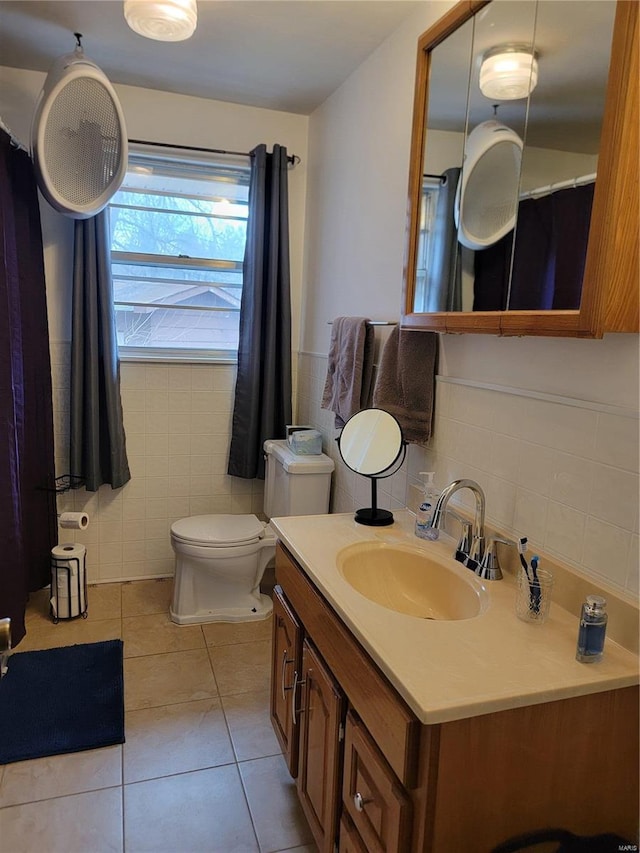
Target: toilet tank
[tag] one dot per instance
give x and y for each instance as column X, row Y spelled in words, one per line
column 295, row 485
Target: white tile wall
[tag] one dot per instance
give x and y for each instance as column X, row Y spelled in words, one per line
column 565, row 476
column 177, row 421
column 562, row 475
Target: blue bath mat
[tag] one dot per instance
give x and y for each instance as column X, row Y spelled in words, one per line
column 61, row 700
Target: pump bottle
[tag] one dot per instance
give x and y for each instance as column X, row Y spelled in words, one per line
column 593, row 626
column 425, row 510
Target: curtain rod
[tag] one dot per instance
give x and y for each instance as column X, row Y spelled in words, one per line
column 559, row 185
column 13, row 139
column 292, row 158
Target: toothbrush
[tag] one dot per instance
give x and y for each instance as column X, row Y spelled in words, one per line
column 522, row 547
column 536, row 592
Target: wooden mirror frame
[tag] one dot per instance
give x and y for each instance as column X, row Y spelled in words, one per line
column 609, row 300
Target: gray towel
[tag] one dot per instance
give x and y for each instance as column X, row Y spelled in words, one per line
column 405, row 381
column 349, row 369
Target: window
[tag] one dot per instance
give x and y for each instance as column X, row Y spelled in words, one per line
column 426, row 242
column 178, row 232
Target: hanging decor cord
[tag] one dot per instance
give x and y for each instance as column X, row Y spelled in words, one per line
column 292, row 158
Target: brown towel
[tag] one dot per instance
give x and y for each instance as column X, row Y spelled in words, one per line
column 405, row 381
column 349, row 368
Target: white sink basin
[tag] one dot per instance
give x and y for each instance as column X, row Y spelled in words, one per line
column 406, row 580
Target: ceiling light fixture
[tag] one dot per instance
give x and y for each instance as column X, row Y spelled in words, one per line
column 163, row 20
column 508, row 72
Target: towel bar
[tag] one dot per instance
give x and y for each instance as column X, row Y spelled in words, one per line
column 374, row 322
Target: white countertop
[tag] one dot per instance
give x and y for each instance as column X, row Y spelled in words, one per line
column 448, row 670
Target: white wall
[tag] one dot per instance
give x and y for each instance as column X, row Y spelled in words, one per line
column 540, row 166
column 548, row 426
column 177, row 417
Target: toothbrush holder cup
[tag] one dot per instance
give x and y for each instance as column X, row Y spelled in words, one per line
column 533, row 596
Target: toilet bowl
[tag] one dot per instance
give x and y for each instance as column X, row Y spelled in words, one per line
column 220, row 559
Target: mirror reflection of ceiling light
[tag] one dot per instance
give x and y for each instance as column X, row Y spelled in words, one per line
column 163, row 20
column 508, row 73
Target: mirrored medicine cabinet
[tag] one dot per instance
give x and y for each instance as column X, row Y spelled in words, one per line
column 523, row 190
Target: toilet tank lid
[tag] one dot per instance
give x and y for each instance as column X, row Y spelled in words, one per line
column 222, row 529
column 291, row 462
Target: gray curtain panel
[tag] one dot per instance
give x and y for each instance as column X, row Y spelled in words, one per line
column 98, row 449
column 28, row 523
column 262, row 407
column 444, row 279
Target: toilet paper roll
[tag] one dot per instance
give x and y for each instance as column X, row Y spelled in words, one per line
column 74, row 520
column 71, row 555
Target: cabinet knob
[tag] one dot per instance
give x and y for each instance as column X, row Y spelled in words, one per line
column 360, row 802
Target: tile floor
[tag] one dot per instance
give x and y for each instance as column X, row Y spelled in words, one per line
column 201, row 769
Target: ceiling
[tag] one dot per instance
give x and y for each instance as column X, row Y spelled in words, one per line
column 292, row 54
column 572, row 40
column 278, row 54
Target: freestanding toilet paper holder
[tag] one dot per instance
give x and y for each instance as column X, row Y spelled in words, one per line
column 68, row 586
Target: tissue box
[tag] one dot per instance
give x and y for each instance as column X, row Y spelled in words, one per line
column 306, row 442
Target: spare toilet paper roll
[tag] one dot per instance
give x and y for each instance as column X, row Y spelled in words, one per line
column 72, row 555
column 74, row 520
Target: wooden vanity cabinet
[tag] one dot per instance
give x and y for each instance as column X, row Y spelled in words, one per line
column 394, row 785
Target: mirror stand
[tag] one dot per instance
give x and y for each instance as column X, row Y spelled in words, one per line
column 371, row 444
column 372, row 515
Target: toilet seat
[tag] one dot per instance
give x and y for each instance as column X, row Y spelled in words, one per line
column 218, row 531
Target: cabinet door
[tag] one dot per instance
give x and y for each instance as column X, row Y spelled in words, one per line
column 376, row 802
column 286, row 660
column 321, row 711
column 609, row 291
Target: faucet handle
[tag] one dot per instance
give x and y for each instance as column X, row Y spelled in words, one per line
column 463, row 548
column 467, row 547
column 489, row 566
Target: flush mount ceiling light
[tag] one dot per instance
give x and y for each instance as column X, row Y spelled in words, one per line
column 508, row 72
column 163, row 20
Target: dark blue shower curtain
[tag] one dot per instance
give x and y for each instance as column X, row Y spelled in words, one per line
column 549, row 255
column 28, row 528
column 262, row 407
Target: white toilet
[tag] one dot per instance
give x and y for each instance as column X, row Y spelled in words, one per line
column 220, row 559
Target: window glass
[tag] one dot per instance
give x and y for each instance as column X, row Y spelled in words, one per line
column 178, row 232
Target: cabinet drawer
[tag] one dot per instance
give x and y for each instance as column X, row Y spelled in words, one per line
column 374, row 799
column 350, row 841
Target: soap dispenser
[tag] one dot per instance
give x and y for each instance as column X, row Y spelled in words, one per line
column 426, row 508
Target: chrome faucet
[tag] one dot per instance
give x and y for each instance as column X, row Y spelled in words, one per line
column 471, row 549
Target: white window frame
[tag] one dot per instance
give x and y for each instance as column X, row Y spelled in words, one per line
column 180, row 354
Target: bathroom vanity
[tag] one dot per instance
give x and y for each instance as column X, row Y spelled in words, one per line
column 440, row 734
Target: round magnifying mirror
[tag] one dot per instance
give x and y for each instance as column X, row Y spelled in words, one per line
column 371, row 444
